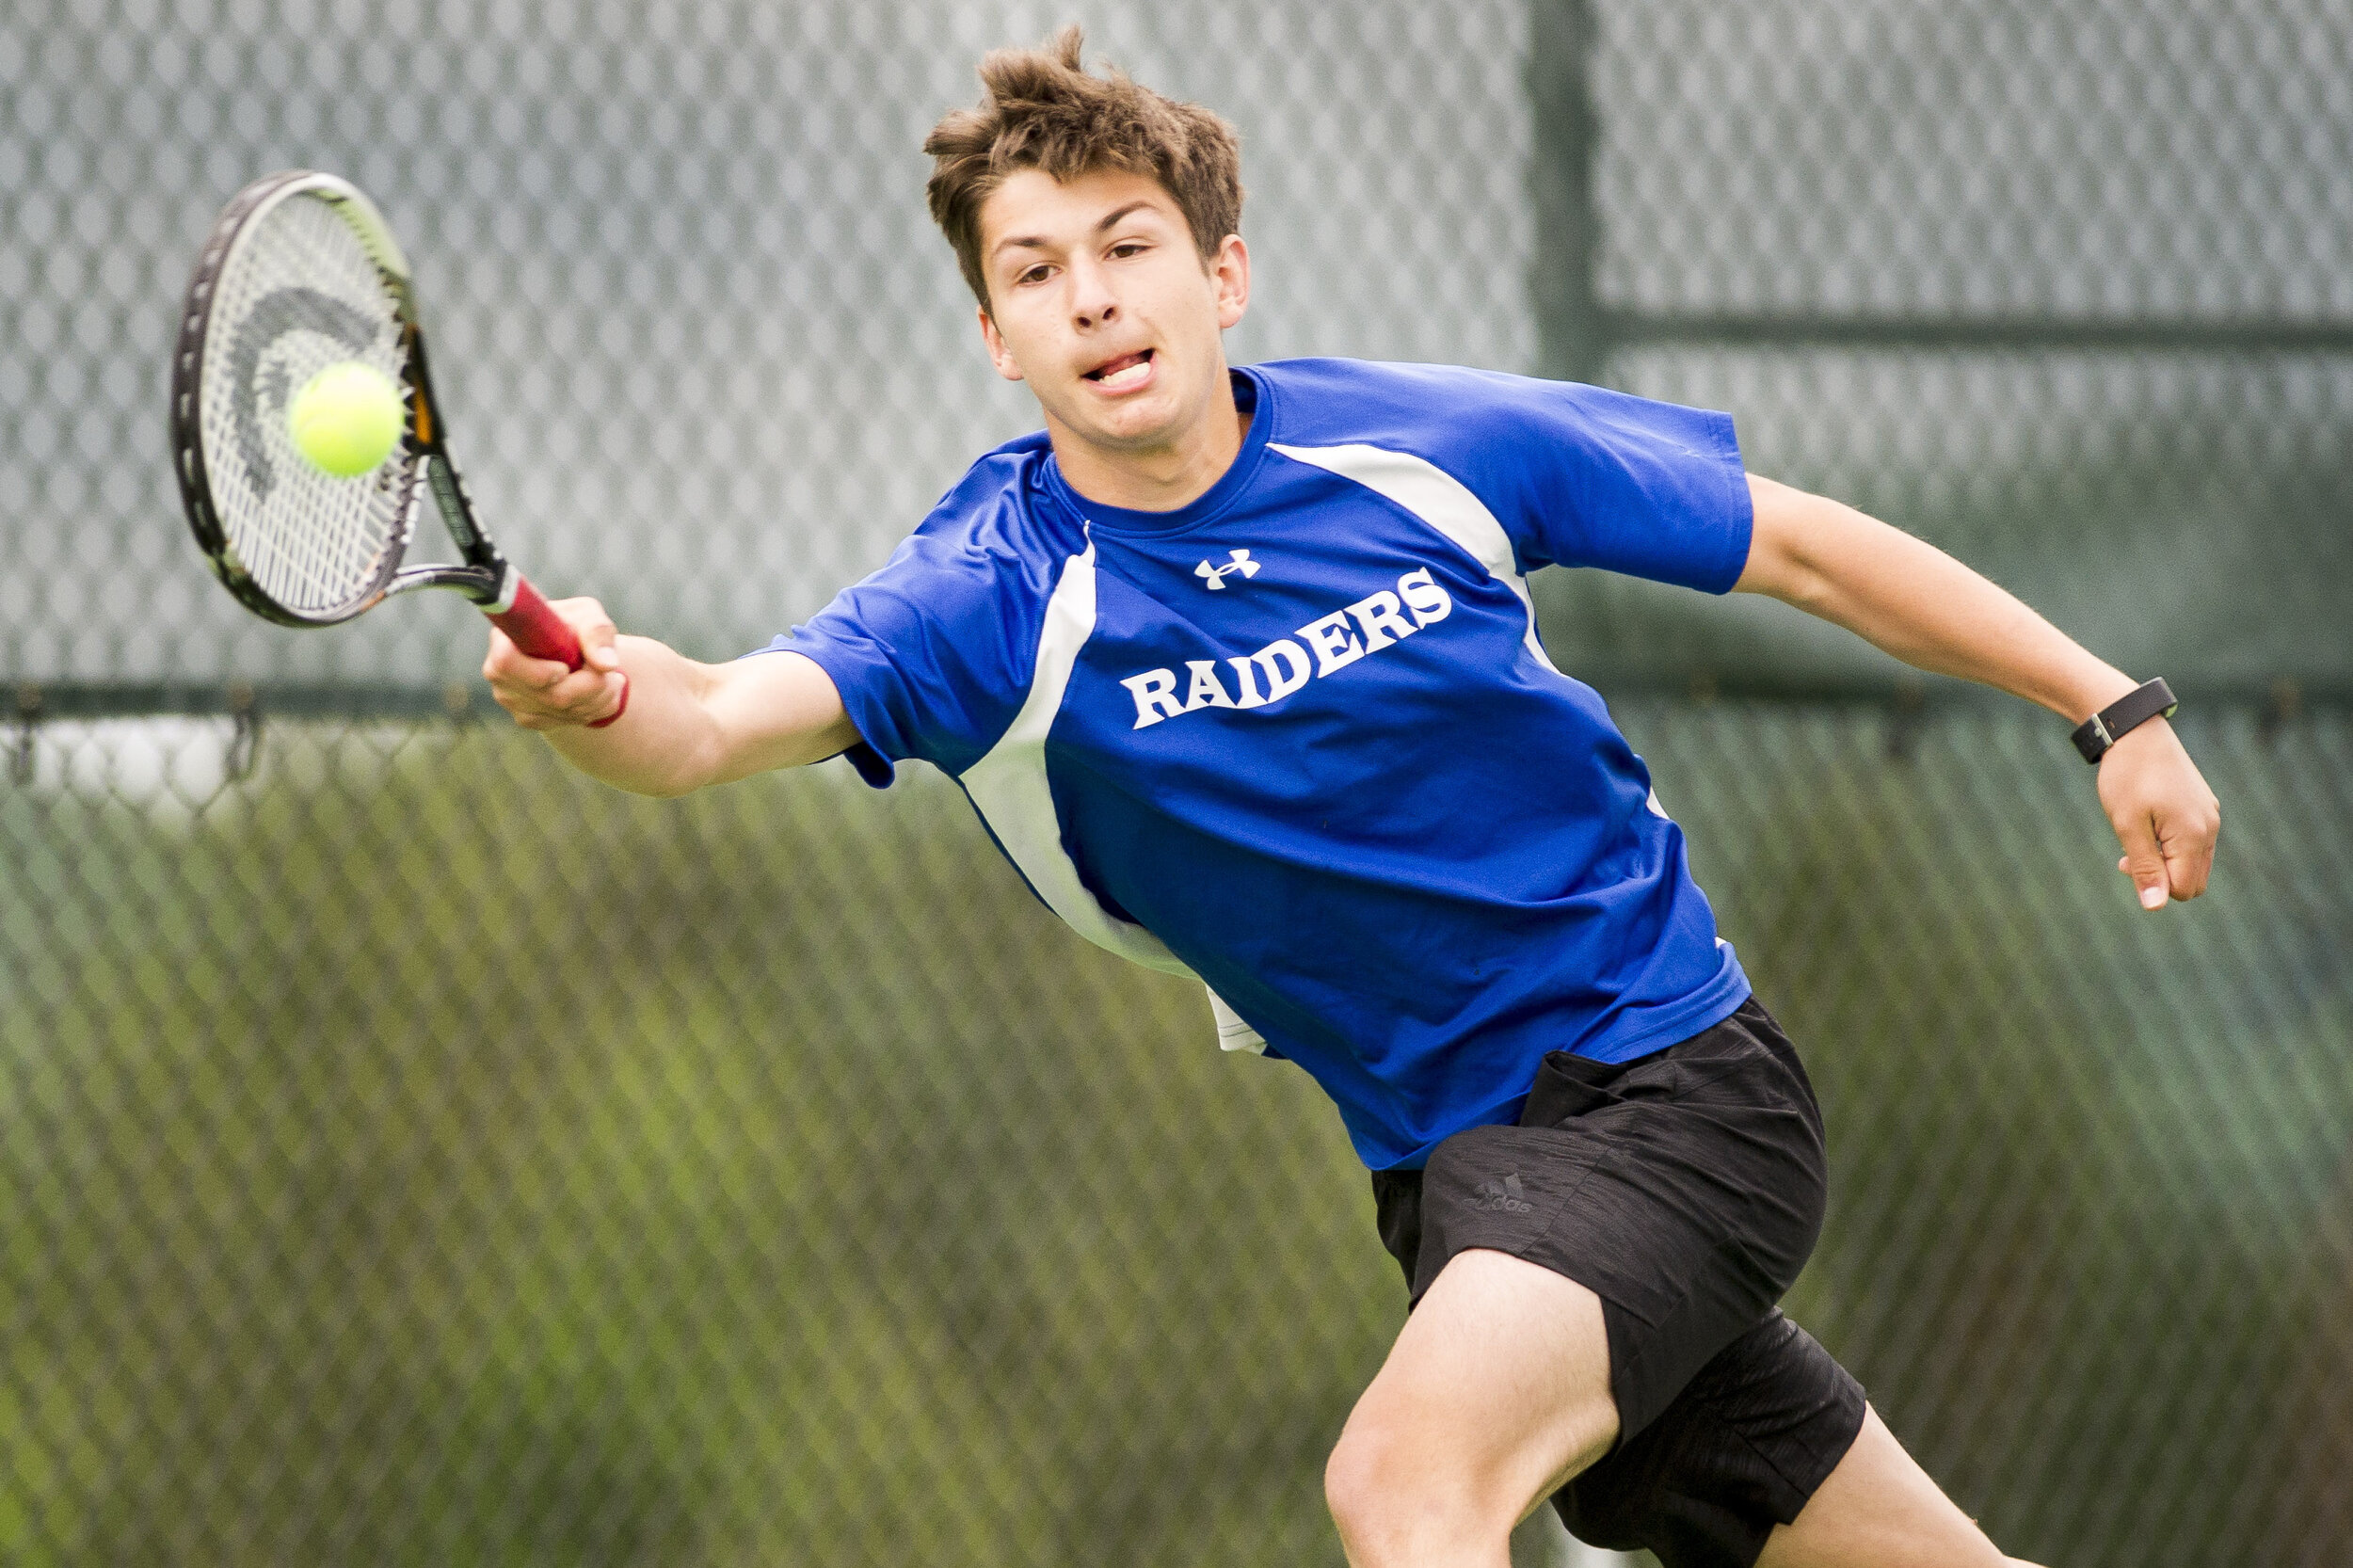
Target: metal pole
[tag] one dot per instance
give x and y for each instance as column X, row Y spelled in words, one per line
column 1573, row 330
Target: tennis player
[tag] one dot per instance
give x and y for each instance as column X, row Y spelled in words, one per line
column 1239, row 667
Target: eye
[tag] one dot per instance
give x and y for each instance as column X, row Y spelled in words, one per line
column 1129, row 247
column 1032, row 274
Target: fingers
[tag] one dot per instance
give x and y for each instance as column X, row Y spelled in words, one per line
column 2189, row 851
column 599, row 638
column 2166, row 819
column 2187, row 863
column 544, row 693
column 2144, row 862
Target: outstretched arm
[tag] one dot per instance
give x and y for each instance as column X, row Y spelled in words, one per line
column 1914, row 600
column 685, row 723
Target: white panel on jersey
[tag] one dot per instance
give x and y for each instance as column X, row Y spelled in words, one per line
column 1009, row 784
column 1440, row 500
column 1232, row 1033
column 1009, row 788
column 1447, row 505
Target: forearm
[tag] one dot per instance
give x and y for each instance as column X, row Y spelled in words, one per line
column 1913, row 601
column 681, row 724
column 666, row 743
column 1928, row 610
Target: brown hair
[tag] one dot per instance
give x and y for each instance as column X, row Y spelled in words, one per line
column 1042, row 110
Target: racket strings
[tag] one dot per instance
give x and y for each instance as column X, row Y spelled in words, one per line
column 299, row 292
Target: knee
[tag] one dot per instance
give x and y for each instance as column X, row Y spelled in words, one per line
column 1354, row 1480
column 1396, row 1501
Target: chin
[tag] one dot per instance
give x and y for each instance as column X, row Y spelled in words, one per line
column 1134, row 424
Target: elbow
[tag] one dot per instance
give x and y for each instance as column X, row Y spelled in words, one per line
column 651, row 786
column 682, row 780
column 1801, row 584
column 1781, row 567
column 685, row 772
column 1787, row 545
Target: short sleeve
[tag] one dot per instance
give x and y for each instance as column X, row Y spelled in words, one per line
column 1584, row 476
column 932, row 653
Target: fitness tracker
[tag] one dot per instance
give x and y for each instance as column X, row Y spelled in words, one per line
column 2155, row 699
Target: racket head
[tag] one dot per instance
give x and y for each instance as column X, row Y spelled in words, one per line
column 300, row 272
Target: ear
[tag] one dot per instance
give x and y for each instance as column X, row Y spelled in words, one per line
column 1229, row 276
column 999, row 355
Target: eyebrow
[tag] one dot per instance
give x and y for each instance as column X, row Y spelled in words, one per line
column 1039, row 242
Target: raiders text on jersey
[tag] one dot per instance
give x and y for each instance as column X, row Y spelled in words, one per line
column 1382, row 617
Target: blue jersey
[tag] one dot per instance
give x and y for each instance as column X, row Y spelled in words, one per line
column 1299, row 739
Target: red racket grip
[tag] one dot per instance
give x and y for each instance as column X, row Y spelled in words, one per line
column 539, row 631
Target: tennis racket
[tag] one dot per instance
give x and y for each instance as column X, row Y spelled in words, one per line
column 302, row 272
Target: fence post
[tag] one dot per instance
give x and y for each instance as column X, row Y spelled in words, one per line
column 1573, row 330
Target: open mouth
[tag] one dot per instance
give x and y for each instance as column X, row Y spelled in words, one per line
column 1126, row 371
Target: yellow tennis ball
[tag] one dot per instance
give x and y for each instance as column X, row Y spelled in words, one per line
column 346, row 419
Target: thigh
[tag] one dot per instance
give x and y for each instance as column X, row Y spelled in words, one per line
column 1685, row 1188
column 1740, row 1450
column 1499, row 1383
column 1878, row 1508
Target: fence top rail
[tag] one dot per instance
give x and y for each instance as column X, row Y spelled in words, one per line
column 35, row 701
column 1638, row 329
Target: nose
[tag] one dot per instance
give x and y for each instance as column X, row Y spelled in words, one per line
column 1092, row 303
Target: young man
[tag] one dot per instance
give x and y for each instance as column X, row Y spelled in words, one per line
column 1240, row 670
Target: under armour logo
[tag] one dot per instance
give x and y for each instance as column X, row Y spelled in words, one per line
column 1215, row 576
column 1505, row 1198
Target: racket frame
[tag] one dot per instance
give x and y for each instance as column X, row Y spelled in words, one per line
column 484, row 577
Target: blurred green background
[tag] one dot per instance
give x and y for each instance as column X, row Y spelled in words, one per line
column 395, row 1177
column 410, row 1153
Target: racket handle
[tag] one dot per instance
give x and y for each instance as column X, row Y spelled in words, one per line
column 539, row 631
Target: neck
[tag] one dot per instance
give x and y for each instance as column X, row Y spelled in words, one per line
column 1159, row 478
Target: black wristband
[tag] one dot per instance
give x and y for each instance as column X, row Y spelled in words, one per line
column 2111, row 724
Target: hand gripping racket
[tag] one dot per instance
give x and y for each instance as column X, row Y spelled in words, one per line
column 301, row 272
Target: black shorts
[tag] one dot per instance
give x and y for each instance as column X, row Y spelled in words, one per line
column 1685, row 1189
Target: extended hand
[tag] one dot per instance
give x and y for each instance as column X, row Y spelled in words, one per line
column 541, row 692
column 2163, row 813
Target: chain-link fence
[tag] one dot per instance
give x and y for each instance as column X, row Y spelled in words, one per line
column 411, row 1153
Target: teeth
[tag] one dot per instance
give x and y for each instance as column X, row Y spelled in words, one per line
column 1127, row 374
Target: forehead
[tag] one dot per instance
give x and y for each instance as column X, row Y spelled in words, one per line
column 1033, row 204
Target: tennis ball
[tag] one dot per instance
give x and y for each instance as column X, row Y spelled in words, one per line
column 346, row 419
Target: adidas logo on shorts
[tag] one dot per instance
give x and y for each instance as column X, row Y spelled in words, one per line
column 1503, row 1198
